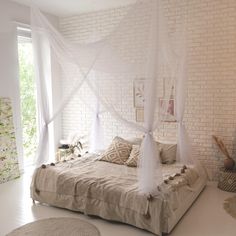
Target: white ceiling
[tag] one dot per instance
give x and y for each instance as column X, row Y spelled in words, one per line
column 69, row 7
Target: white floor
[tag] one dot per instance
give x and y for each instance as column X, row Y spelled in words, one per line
column 205, row 218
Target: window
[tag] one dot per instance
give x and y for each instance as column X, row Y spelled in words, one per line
column 27, row 94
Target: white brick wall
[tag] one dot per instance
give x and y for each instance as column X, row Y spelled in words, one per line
column 211, row 33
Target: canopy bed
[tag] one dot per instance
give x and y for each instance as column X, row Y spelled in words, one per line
column 108, row 67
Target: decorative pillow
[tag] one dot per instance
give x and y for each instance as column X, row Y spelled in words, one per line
column 118, row 152
column 134, row 156
column 167, row 152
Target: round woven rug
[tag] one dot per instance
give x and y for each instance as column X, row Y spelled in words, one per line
column 63, row 226
column 230, row 206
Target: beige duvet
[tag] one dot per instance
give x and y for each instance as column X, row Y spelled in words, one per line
column 110, row 191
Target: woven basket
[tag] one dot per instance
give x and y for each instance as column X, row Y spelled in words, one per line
column 227, row 180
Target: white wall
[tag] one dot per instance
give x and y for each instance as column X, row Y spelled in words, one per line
column 211, row 32
column 9, row 80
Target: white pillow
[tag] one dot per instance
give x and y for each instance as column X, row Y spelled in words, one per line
column 135, row 141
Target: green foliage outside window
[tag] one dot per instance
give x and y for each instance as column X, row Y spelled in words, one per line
column 28, row 100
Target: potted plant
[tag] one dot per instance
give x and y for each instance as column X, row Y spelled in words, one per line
column 228, row 161
column 76, row 147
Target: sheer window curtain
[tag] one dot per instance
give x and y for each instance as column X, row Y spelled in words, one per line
column 42, row 67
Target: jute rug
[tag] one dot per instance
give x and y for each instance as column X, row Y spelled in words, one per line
column 63, row 226
column 230, row 206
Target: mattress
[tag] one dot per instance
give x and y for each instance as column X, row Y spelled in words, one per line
column 110, row 191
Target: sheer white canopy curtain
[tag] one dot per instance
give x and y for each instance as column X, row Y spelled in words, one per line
column 139, row 47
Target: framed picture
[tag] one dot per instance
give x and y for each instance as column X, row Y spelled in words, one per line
column 167, row 110
column 139, row 114
column 138, row 91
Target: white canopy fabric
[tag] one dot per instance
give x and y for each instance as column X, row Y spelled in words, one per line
column 108, row 68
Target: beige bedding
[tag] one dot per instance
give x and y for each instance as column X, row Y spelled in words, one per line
column 110, row 191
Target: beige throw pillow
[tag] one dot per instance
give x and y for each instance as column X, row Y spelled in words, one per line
column 167, row 152
column 134, row 156
column 118, row 152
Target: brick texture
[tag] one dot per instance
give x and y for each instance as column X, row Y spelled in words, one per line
column 211, row 45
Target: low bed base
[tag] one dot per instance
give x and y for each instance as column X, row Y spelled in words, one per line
column 172, row 221
column 83, row 185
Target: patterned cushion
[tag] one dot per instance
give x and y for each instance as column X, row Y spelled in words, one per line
column 118, row 152
column 134, row 156
column 167, row 152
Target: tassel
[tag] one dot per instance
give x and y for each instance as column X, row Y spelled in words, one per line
column 147, row 213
